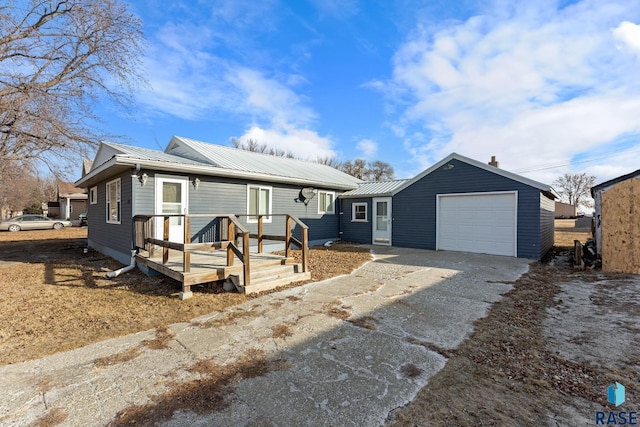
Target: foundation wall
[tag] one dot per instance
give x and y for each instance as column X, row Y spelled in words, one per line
column 621, row 227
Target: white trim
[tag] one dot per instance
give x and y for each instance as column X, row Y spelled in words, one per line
column 267, row 216
column 118, row 201
column 366, row 212
column 93, row 195
column 374, row 220
column 184, row 201
column 488, row 193
column 333, row 202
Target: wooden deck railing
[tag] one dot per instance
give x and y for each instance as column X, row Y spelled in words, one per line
column 144, row 230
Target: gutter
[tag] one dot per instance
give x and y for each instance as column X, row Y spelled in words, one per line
column 207, row 170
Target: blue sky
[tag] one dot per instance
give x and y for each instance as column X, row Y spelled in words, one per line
column 547, row 87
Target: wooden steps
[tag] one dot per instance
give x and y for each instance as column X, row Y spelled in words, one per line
column 270, row 277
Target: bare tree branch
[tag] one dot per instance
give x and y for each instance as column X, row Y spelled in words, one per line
column 57, row 58
column 575, row 189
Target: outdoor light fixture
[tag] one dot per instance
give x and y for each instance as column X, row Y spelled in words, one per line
column 196, row 183
column 448, row 166
column 143, row 179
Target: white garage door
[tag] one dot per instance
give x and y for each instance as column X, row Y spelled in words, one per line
column 478, row 222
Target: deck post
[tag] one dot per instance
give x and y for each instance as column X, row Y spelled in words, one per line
column 231, row 235
column 287, row 238
column 260, row 234
column 186, row 256
column 305, row 250
column 165, row 237
column 245, row 252
column 151, row 232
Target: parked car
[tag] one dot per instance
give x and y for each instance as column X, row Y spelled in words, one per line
column 32, row 222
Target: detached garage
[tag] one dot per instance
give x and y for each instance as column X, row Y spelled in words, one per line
column 458, row 204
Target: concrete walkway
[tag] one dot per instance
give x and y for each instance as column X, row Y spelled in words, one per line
column 350, row 349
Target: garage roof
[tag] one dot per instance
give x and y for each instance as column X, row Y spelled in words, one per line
column 547, row 189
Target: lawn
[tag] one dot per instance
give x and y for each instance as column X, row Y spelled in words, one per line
column 55, row 296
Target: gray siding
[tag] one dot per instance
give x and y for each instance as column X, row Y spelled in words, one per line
column 117, row 237
column 547, row 227
column 216, row 195
column 356, row 232
column 414, row 208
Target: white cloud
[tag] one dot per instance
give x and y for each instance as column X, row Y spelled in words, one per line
column 303, row 143
column 190, row 82
column 628, row 34
column 367, row 147
column 531, row 84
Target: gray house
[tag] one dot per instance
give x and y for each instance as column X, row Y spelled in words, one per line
column 458, row 204
column 194, row 197
column 198, row 178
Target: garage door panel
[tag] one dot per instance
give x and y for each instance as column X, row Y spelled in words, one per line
column 483, row 223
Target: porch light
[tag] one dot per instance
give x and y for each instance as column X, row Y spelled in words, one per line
column 143, row 179
column 196, row 183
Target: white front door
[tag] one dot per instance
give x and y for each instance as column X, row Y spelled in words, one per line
column 382, row 221
column 171, row 198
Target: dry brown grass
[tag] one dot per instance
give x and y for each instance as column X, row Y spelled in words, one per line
column 52, row 417
column 55, row 297
column 210, row 392
column 566, row 232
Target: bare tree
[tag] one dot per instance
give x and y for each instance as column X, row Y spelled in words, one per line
column 575, row 188
column 328, row 161
column 57, row 58
column 368, row 171
column 357, row 168
column 379, row 171
column 256, row 147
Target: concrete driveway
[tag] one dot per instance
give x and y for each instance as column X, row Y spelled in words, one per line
column 341, row 352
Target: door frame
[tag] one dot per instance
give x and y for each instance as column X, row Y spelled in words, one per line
column 374, row 217
column 184, row 182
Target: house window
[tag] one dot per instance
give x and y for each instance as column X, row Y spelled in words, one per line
column 258, row 203
column 359, row 212
column 93, row 195
column 325, row 202
column 113, row 201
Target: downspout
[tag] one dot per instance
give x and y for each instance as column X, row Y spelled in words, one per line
column 131, row 266
column 340, row 216
column 132, row 263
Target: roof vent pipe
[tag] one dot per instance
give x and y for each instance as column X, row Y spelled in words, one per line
column 494, row 162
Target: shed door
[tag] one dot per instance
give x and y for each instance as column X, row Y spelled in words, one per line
column 477, row 222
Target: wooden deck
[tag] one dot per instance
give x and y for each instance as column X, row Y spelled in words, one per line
column 207, row 266
column 228, row 259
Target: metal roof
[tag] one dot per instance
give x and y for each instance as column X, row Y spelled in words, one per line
column 253, row 162
column 148, row 154
column 375, row 188
column 189, row 156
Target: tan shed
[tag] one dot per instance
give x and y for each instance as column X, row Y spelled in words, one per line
column 617, row 231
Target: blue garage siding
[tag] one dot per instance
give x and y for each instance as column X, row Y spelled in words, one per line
column 547, row 219
column 414, row 208
column 356, row 232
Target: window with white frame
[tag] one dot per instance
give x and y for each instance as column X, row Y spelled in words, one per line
column 326, row 202
column 258, row 203
column 93, row 195
column 113, row 201
column 359, row 212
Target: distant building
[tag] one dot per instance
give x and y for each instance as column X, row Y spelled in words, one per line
column 565, row 210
